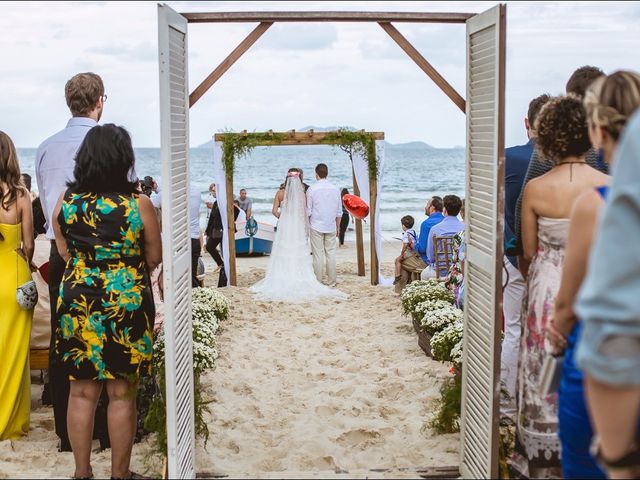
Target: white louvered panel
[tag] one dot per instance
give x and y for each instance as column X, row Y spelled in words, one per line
column 485, row 126
column 174, row 124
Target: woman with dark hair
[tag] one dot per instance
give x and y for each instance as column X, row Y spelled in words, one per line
column 562, row 136
column 16, row 252
column 344, row 221
column 109, row 237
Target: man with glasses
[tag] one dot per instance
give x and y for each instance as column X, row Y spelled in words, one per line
column 55, row 161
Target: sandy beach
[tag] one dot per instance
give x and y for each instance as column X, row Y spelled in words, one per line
column 337, row 388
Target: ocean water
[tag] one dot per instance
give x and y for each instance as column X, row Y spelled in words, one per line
column 410, row 176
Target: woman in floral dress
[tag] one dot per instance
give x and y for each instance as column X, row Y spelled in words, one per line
column 562, row 136
column 110, row 239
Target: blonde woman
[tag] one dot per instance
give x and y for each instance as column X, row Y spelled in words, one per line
column 16, row 252
column 609, row 102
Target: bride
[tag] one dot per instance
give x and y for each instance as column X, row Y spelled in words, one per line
column 290, row 274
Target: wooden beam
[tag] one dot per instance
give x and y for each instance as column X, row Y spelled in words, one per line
column 231, row 232
column 228, row 62
column 373, row 200
column 411, row 17
column 359, row 238
column 295, row 138
column 424, row 65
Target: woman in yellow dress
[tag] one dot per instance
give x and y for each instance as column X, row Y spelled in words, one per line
column 16, row 252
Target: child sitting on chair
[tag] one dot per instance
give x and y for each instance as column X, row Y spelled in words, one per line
column 409, row 241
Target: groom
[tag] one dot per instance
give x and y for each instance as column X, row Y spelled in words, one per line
column 324, row 207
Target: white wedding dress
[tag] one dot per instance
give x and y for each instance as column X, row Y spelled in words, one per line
column 290, row 276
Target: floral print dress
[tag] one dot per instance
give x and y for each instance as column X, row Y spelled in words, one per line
column 538, row 446
column 106, row 307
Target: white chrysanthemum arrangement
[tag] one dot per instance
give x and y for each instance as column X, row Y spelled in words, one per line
column 435, row 321
column 443, row 342
column 208, row 308
column 428, row 306
column 421, row 291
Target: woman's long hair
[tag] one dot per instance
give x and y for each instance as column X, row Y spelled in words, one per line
column 9, row 172
column 611, row 100
column 104, row 161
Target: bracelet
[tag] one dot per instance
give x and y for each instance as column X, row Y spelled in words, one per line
column 551, row 327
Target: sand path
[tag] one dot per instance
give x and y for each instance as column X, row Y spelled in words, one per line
column 322, row 389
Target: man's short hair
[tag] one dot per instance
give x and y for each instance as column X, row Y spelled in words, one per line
column 243, row 190
column 82, row 92
column 534, row 108
column 453, row 204
column 322, row 170
column 581, row 79
column 436, row 202
column 26, row 179
column 407, row 221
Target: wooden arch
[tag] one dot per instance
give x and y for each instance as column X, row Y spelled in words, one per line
column 308, row 138
column 484, row 111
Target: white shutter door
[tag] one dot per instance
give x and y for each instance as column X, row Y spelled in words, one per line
column 483, row 266
column 176, row 246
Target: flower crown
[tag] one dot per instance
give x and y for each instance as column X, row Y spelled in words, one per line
column 293, row 174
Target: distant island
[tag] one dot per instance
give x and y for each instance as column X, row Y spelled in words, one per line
column 417, row 145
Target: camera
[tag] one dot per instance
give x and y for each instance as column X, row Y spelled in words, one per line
column 147, row 185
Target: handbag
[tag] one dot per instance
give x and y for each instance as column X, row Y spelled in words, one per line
column 550, row 374
column 27, row 293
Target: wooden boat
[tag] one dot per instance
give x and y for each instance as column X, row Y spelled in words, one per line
column 254, row 238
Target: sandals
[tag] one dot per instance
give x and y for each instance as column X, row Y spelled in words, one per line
column 629, row 462
column 132, row 476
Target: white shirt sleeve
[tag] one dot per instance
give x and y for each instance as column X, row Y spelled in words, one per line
column 156, row 199
column 310, row 201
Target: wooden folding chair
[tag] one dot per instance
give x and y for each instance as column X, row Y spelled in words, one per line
column 443, row 252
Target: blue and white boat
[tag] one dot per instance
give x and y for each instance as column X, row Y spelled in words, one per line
column 254, row 238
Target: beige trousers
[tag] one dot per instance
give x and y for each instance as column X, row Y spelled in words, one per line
column 323, row 248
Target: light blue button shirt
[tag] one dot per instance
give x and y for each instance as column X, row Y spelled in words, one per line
column 608, row 303
column 55, row 161
column 447, row 227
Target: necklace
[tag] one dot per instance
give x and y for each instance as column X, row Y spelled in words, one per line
column 571, row 167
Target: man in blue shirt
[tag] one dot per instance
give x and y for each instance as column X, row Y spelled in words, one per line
column 516, row 164
column 55, row 161
column 434, row 214
column 448, row 227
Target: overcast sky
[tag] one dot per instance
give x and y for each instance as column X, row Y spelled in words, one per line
column 296, row 74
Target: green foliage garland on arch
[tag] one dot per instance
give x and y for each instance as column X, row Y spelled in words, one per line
column 239, row 145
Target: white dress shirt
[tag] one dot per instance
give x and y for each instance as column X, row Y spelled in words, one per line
column 242, row 216
column 324, row 205
column 55, row 161
column 195, row 198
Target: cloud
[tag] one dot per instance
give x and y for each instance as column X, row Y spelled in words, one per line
column 295, row 36
column 143, row 51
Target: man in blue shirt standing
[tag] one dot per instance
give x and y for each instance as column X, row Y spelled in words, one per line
column 434, row 214
column 448, row 227
column 55, row 161
column 516, row 164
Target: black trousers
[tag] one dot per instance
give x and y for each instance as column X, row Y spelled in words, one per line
column 58, row 379
column 212, row 248
column 344, row 224
column 195, row 255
